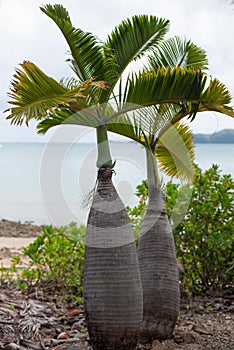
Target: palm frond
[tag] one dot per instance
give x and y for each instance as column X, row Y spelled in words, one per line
column 89, row 57
column 147, row 122
column 216, row 97
column 92, row 116
column 132, row 38
column 144, row 121
column 175, row 152
column 34, row 94
column 157, row 119
column 66, row 116
column 148, row 119
column 170, row 114
column 163, row 86
column 189, row 90
column 126, row 125
column 176, row 52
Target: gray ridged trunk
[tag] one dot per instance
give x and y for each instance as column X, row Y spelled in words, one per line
column 158, row 267
column 159, row 273
column 112, row 287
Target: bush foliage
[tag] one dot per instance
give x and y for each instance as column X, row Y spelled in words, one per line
column 56, row 263
column 205, row 237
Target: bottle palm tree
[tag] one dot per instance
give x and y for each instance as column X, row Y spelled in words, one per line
column 156, row 249
column 113, row 295
column 169, row 144
column 169, row 141
column 112, row 288
column 157, row 129
column 160, row 282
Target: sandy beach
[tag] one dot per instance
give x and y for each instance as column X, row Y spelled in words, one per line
column 10, row 246
column 14, row 242
column 14, row 236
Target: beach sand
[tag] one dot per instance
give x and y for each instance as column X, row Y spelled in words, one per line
column 14, row 236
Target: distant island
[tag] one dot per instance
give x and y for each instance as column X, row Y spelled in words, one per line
column 223, row 136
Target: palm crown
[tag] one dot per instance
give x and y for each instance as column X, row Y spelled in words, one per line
column 170, row 86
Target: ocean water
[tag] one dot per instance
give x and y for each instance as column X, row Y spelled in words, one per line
column 53, row 183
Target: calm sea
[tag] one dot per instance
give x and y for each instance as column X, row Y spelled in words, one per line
column 53, row 183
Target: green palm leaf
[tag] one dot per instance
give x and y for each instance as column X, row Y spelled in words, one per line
column 88, row 53
column 178, row 52
column 126, row 126
column 144, row 121
column 163, row 86
column 175, row 152
column 129, row 41
column 65, row 116
column 216, row 96
column 34, row 94
column 132, row 38
column 137, row 122
column 168, row 108
column 92, row 116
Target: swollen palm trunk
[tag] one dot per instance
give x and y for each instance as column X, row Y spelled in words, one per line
column 112, row 288
column 159, row 274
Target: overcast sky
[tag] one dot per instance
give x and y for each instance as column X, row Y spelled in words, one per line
column 28, row 34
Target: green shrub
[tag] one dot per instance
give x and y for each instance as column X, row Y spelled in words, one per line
column 205, row 237
column 136, row 213
column 56, row 263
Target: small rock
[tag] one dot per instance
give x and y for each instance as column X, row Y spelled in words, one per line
column 73, row 312
column 193, row 347
column 201, row 328
column 218, row 307
column 78, row 325
column 179, row 337
column 227, row 302
column 186, row 337
column 145, row 346
column 169, row 344
column 180, row 266
column 158, row 347
column 192, row 337
column 63, row 335
column 12, row 346
column 228, row 317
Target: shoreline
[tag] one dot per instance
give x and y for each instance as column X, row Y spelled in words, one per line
column 14, row 236
column 18, row 229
